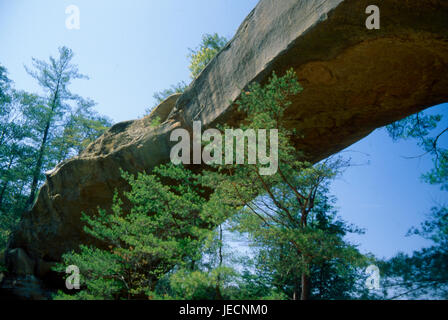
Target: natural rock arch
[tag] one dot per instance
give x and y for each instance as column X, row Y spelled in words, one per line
column 355, row 80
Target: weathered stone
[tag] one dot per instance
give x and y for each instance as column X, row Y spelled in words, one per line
column 2, row 258
column 18, row 260
column 23, row 287
column 354, row 79
column 43, row 268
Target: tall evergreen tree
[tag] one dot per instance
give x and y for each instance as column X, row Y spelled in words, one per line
column 15, row 156
column 282, row 211
column 54, row 77
column 333, row 268
column 81, row 126
column 37, row 132
column 164, row 227
column 154, row 247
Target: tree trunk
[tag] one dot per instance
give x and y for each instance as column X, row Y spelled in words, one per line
column 220, row 256
column 305, row 279
column 305, row 287
column 38, row 167
column 40, row 156
column 2, row 193
column 5, row 184
column 295, row 295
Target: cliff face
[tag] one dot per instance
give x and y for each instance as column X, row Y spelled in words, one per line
column 354, row 79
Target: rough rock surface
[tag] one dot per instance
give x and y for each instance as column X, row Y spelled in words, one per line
column 355, row 80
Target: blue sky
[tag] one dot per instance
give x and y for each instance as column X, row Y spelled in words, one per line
column 384, row 193
column 132, row 49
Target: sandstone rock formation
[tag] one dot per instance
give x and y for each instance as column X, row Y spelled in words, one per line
column 354, row 79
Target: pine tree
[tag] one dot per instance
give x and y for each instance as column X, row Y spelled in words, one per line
column 278, row 209
column 164, row 227
column 15, row 156
column 38, row 132
column 49, row 114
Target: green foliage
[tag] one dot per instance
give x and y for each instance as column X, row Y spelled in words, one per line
column 211, row 276
column 37, row 132
column 422, row 127
column 287, row 215
column 425, row 272
column 160, row 96
column 253, row 284
column 438, row 175
column 81, row 127
column 54, row 118
column 416, row 126
column 166, row 238
column 332, row 264
column 435, row 228
column 155, row 122
column 164, row 227
column 199, row 58
column 15, row 158
column 199, row 285
column 5, row 87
